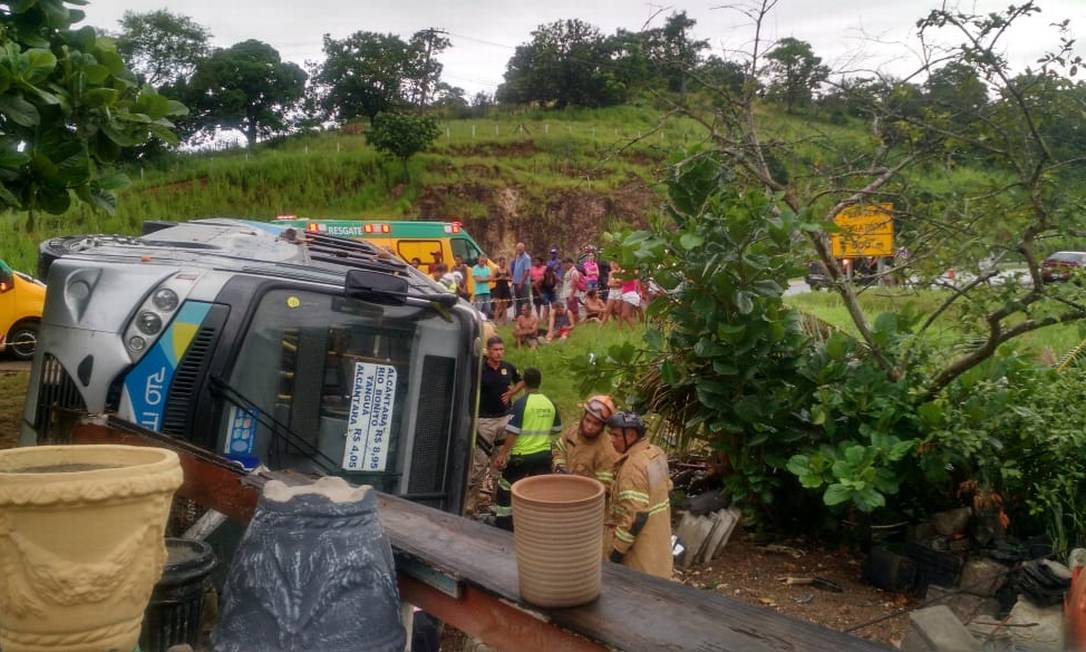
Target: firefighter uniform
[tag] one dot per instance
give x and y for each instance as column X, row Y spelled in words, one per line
column 639, row 524
column 592, row 457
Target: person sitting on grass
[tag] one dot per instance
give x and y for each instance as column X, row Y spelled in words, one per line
column 560, row 325
column 526, row 330
column 594, row 307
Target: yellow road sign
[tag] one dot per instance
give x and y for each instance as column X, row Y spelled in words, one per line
column 864, row 231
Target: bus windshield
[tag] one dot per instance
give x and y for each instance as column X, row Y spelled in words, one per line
column 349, row 377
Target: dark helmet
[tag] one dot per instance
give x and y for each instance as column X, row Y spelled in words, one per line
column 627, row 420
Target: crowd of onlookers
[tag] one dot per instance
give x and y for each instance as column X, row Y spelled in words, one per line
column 545, row 299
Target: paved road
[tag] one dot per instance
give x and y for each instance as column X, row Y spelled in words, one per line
column 14, row 365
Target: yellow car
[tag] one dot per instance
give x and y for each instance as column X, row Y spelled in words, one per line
column 22, row 299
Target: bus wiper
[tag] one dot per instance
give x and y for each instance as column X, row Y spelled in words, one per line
column 279, row 430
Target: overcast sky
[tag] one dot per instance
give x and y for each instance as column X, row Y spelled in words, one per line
column 845, row 33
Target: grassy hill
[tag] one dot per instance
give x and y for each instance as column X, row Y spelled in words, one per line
column 542, row 177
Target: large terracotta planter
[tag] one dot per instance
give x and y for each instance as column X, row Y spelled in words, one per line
column 81, row 544
column 558, row 532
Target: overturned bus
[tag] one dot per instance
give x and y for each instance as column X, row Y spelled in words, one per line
column 266, row 344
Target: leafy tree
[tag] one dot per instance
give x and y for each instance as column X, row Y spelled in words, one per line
column 162, row 48
column 246, row 87
column 366, row 74
column 427, row 45
column 716, row 72
column 402, row 135
column 957, row 93
column 676, row 52
column 567, row 62
column 794, row 72
column 68, row 106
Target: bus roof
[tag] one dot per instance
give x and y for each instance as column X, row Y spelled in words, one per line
column 378, row 228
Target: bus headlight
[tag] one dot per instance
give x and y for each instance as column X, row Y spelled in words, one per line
column 165, row 300
column 149, row 323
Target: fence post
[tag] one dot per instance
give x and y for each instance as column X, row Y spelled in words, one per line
column 307, row 148
column 546, row 128
column 593, row 133
column 473, row 130
column 448, row 133
column 337, row 147
column 141, row 173
column 497, row 129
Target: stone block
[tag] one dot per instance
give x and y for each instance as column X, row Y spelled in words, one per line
column 937, row 629
column 983, row 577
column 693, row 531
column 951, row 522
column 1039, row 629
column 966, row 607
column 727, row 522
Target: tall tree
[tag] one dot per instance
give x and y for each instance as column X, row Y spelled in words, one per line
column 795, row 72
column 247, row 87
column 566, row 62
column 957, row 92
column 427, row 44
column 68, row 107
column 162, row 48
column 677, row 51
column 366, row 73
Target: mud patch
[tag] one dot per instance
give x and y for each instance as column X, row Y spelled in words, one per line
column 567, row 218
column 178, row 187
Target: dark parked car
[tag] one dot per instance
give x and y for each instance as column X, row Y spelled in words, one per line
column 1060, row 265
column 818, row 276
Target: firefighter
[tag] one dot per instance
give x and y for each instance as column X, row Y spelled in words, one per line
column 582, row 451
column 639, row 526
column 529, row 437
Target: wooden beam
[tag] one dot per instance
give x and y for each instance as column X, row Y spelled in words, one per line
column 478, row 593
column 492, row 620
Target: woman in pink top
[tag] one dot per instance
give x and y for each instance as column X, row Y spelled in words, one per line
column 591, row 272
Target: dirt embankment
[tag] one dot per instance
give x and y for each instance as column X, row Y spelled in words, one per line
column 567, row 218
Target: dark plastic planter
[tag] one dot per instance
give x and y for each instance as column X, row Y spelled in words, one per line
column 173, row 616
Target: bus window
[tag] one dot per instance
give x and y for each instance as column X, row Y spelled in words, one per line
column 427, row 251
column 466, row 250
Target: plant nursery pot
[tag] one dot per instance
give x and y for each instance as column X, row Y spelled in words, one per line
column 81, row 544
column 558, row 533
column 314, row 571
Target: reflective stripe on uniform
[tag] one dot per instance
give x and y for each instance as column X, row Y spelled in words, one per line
column 504, row 484
column 623, row 535
column 659, row 507
column 630, row 494
column 502, row 511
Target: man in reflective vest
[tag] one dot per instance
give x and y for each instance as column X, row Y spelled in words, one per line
column 639, row 525
column 581, row 450
column 527, row 448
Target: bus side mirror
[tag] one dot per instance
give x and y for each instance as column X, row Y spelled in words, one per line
column 376, row 287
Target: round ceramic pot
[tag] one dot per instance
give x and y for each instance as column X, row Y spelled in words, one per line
column 314, row 571
column 558, row 532
column 81, row 544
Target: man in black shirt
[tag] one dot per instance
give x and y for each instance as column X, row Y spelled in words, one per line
column 498, row 384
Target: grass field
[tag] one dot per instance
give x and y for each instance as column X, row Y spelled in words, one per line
column 1045, row 344
column 552, row 360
